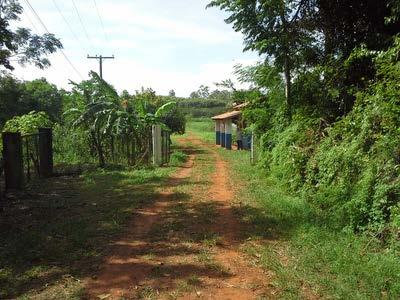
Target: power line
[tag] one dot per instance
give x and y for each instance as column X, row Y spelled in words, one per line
column 83, row 25
column 30, row 21
column 45, row 28
column 101, row 20
column 66, row 21
column 100, row 59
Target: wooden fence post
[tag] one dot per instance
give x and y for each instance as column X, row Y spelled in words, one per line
column 46, row 152
column 169, row 147
column 13, row 160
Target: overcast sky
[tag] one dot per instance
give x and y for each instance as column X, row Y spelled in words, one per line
column 162, row 44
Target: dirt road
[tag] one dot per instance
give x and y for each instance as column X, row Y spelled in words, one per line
column 187, row 245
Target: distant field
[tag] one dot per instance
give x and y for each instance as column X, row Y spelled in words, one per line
column 197, row 108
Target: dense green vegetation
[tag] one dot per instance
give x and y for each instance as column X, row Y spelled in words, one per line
column 308, row 257
column 204, row 102
column 323, row 102
column 196, row 108
column 91, row 122
column 327, row 110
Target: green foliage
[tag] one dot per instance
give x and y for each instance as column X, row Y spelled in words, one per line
column 357, row 164
column 300, row 37
column 70, row 146
column 174, row 119
column 196, row 107
column 40, row 95
column 165, row 109
column 21, row 97
column 114, row 123
column 27, row 124
column 11, row 91
column 348, row 169
column 97, row 110
column 308, row 257
column 178, row 158
column 20, row 44
column 206, row 102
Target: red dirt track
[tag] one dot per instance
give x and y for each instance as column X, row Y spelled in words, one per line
column 160, row 256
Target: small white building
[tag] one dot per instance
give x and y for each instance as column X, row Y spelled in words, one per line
column 223, row 126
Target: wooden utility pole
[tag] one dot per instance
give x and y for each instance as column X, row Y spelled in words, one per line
column 100, row 58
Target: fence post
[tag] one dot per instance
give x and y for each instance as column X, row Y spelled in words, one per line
column 252, row 149
column 46, row 152
column 157, row 145
column 13, row 160
column 169, row 147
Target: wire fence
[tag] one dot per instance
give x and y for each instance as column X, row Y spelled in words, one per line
column 31, row 157
column 130, row 150
column 24, row 158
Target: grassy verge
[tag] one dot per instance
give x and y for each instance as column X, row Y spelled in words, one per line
column 57, row 232
column 307, row 256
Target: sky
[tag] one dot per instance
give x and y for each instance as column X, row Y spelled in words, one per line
column 158, row 44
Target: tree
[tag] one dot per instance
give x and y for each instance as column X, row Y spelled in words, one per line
column 11, row 91
column 20, row 44
column 346, row 24
column 194, row 95
column 172, row 93
column 228, row 84
column 96, row 110
column 315, row 38
column 41, row 95
column 275, row 28
column 18, row 98
column 203, row 91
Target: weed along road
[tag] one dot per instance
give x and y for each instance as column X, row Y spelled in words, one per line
column 187, row 244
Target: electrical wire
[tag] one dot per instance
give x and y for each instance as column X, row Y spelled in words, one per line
column 66, row 22
column 83, row 25
column 101, row 20
column 46, row 29
column 30, row 21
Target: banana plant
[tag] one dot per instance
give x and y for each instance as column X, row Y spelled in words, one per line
column 102, row 114
column 99, row 104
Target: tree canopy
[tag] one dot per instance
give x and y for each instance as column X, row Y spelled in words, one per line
column 296, row 35
column 21, row 45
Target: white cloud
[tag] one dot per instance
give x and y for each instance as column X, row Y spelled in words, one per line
column 174, row 44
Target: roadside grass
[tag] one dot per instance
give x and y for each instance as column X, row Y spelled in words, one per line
column 203, row 127
column 57, row 232
column 307, row 256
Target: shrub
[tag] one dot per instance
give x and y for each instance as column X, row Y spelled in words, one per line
column 349, row 170
column 178, row 158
